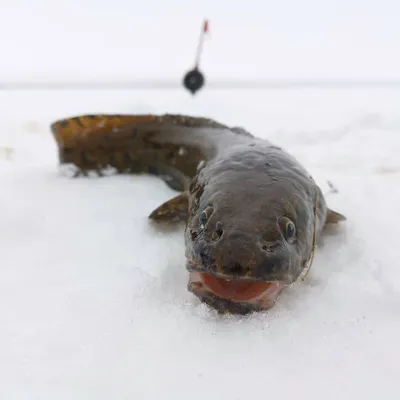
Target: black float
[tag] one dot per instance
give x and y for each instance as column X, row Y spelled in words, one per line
column 194, row 79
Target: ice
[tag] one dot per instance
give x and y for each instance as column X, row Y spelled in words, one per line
column 93, row 298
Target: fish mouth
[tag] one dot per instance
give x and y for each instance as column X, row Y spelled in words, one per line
column 236, row 296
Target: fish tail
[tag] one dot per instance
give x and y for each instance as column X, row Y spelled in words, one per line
column 98, row 142
column 151, row 144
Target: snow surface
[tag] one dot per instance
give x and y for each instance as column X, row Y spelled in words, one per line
column 93, row 299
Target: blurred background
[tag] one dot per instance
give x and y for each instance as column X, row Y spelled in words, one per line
column 153, row 43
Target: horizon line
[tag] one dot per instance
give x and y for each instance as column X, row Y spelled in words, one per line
column 213, row 84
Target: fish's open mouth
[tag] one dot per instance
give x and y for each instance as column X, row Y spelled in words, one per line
column 253, row 295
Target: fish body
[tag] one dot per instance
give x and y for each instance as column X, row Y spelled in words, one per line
column 253, row 214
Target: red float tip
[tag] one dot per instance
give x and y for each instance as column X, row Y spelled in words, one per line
column 205, row 26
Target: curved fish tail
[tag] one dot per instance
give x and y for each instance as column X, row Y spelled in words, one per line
column 152, row 144
column 97, row 142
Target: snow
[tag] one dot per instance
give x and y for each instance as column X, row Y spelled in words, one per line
column 93, row 298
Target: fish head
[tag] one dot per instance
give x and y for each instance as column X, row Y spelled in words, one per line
column 249, row 235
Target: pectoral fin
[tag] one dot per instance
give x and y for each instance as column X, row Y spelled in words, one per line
column 173, row 210
column 333, row 217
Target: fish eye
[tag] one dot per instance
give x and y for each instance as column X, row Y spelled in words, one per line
column 204, row 216
column 288, row 229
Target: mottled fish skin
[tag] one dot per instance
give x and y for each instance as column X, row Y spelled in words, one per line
column 239, row 192
column 170, row 146
column 245, row 194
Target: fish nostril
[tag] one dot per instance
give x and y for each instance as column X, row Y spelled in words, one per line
column 205, row 258
column 193, row 235
column 218, row 232
column 270, row 246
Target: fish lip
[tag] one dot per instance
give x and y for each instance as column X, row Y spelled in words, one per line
column 260, row 302
column 223, row 306
column 193, row 265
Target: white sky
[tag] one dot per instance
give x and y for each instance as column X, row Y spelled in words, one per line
column 127, row 39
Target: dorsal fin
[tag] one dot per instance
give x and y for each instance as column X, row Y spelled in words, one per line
column 241, row 131
column 68, row 130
